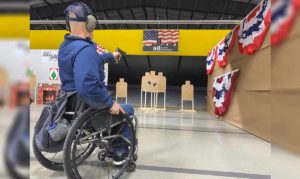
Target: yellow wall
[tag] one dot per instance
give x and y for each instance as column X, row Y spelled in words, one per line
column 191, row 42
column 14, row 26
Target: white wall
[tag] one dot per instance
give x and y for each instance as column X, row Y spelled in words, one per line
column 40, row 65
column 14, row 56
column 42, row 60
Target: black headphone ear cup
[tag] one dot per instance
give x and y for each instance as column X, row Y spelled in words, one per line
column 91, row 23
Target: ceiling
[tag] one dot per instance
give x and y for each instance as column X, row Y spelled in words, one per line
column 147, row 10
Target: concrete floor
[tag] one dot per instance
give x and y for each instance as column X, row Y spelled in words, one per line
column 174, row 144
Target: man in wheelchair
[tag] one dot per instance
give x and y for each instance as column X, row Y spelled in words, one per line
column 81, row 68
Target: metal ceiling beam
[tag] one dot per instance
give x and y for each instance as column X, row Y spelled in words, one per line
column 222, row 12
column 49, row 7
column 193, row 12
column 231, row 9
column 146, row 15
column 204, row 19
column 107, row 16
column 248, row 7
column 193, row 22
column 63, row 3
column 122, row 17
column 166, row 15
column 211, row 5
column 155, row 15
column 61, row 13
column 37, row 15
column 133, row 16
column 197, row 10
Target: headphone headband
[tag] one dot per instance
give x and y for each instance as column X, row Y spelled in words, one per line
column 82, row 15
column 85, row 10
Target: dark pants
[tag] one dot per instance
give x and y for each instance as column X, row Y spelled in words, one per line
column 125, row 131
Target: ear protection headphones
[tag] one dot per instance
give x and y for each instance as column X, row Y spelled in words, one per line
column 87, row 16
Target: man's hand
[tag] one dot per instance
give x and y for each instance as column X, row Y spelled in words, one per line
column 116, row 109
column 117, row 56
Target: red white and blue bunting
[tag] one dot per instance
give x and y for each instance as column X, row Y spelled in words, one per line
column 283, row 16
column 222, row 88
column 210, row 61
column 254, row 27
column 224, row 47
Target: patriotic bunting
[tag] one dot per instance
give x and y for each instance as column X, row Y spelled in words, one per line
column 222, row 88
column 224, row 47
column 283, row 16
column 100, row 49
column 210, row 61
column 254, row 27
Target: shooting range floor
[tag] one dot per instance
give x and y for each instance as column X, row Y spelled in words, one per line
column 176, row 145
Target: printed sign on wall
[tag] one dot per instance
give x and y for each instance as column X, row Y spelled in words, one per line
column 53, row 73
column 49, row 56
column 160, row 40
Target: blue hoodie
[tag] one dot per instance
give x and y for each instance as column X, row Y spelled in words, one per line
column 81, row 69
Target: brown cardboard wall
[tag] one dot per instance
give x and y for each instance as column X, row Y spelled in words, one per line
column 285, row 124
column 285, row 103
column 250, row 102
column 266, row 101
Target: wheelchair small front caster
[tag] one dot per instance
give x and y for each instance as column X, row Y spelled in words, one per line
column 135, row 157
column 131, row 167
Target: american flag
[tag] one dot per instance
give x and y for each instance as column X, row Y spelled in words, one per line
column 160, row 36
column 168, row 36
column 150, row 37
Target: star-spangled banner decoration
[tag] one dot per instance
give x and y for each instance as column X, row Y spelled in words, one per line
column 224, row 47
column 210, row 61
column 254, row 27
column 222, row 89
column 283, row 16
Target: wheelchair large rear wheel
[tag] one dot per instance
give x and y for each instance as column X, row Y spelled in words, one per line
column 100, row 164
column 51, row 161
column 54, row 161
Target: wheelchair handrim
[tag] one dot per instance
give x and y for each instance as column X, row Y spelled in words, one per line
column 72, row 148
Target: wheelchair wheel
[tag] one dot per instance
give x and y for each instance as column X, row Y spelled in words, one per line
column 54, row 161
column 51, row 161
column 100, row 163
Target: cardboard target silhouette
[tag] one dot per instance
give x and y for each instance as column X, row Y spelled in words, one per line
column 162, row 88
column 149, row 84
column 187, row 93
column 121, row 89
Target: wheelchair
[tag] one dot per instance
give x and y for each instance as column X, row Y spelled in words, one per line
column 88, row 147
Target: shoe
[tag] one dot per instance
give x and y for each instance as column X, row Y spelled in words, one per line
column 131, row 167
column 119, row 158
